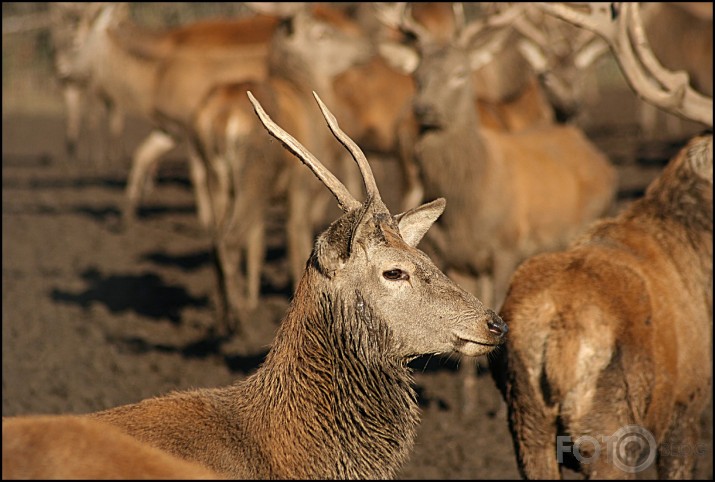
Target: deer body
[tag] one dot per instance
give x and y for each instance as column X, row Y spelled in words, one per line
column 613, row 336
column 72, row 447
column 552, row 180
column 617, row 329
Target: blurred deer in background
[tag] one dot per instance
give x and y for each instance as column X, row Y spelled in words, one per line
column 246, row 169
column 613, row 336
column 517, row 192
column 681, row 37
column 507, row 94
column 156, row 75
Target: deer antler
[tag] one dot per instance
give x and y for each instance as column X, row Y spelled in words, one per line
column 504, row 18
column 345, row 200
column 398, row 16
column 621, row 26
column 354, row 149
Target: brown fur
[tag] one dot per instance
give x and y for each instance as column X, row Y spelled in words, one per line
column 617, row 329
column 69, row 447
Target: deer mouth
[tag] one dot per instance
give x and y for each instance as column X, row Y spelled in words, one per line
column 471, row 347
column 427, row 128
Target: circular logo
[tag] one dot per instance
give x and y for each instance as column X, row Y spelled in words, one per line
column 634, row 448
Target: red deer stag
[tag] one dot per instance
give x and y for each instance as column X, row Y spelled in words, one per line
column 613, row 336
column 333, row 398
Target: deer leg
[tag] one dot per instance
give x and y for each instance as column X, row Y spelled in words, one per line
column 255, row 254
column 116, row 130
column 199, row 179
column 145, row 158
column 231, row 284
column 299, row 226
column 677, row 453
column 505, row 263
column 535, row 443
column 468, row 366
column 73, row 104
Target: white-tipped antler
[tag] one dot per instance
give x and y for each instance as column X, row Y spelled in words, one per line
column 345, row 199
column 354, row 149
column 621, row 26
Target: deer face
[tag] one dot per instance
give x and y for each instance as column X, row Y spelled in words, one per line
column 443, row 80
column 330, row 42
column 396, row 284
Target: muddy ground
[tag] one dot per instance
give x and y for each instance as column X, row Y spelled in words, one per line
column 94, row 317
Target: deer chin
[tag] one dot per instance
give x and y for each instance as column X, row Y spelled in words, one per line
column 471, row 347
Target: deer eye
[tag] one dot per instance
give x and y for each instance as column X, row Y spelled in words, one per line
column 395, row 275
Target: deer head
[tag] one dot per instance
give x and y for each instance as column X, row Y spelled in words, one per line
column 324, row 36
column 370, row 257
column 442, row 70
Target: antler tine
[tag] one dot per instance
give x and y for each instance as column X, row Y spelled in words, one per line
column 505, row 18
column 345, row 200
column 355, row 151
column 681, row 98
column 399, row 16
column 598, row 20
column 460, row 19
column 645, row 74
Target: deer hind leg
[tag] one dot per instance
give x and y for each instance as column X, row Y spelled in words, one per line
column 116, row 131
column 231, row 284
column 199, row 179
column 145, row 159
column 255, row 254
column 533, row 425
column 677, row 453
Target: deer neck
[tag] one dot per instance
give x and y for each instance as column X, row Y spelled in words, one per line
column 337, row 398
column 458, row 150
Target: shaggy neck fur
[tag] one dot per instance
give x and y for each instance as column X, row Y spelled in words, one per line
column 331, row 401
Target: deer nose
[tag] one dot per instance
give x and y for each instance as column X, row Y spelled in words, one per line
column 422, row 110
column 496, row 325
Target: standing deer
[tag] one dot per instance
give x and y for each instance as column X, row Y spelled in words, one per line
column 517, row 193
column 612, row 337
column 309, row 49
column 333, row 398
column 157, row 75
column 507, row 94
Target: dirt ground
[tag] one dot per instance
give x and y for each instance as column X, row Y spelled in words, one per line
column 94, row 317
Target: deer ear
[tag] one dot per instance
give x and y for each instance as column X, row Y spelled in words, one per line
column 332, row 248
column 414, row 223
column 400, row 57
